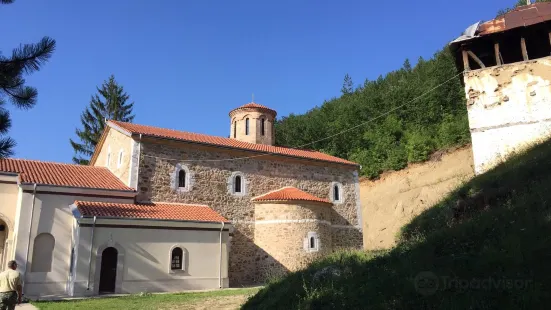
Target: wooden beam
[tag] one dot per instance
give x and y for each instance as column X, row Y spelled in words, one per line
column 466, row 66
column 496, row 50
column 524, row 51
column 478, row 61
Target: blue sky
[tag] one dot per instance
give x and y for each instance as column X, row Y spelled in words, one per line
column 182, row 59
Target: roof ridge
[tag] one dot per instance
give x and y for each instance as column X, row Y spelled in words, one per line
column 52, row 163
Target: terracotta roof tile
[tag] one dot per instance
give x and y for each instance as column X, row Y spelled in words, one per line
column 48, row 173
column 289, row 194
column 227, row 142
column 255, row 106
column 155, row 210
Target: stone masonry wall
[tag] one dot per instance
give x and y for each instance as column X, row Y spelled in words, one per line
column 209, row 185
column 280, row 230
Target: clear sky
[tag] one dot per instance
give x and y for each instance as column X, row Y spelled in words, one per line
column 186, row 64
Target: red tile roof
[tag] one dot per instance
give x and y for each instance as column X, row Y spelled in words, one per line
column 289, row 194
column 255, row 105
column 520, row 17
column 155, row 211
column 59, row 174
column 227, row 142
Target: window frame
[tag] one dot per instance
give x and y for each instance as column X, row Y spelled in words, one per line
column 247, row 126
column 232, row 184
column 340, row 193
column 175, row 179
column 263, row 126
column 312, row 236
column 180, row 178
column 183, row 262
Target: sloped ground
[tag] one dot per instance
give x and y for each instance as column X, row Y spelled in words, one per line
column 397, row 197
column 487, row 245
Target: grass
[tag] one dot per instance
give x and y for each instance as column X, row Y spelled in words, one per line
column 222, row 299
column 492, row 253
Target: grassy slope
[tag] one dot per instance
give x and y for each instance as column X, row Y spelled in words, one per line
column 149, row 301
column 508, row 243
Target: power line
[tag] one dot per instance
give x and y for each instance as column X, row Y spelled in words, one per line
column 323, row 139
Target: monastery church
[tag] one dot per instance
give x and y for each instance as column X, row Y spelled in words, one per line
column 160, row 210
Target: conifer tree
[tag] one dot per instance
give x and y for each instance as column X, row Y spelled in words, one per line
column 110, row 103
column 347, row 85
column 25, row 59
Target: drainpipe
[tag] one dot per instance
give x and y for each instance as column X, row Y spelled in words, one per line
column 220, row 266
column 30, row 235
column 90, row 257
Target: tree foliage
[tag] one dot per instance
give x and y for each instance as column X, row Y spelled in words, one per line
column 24, row 60
column 110, row 103
column 518, row 4
column 436, row 120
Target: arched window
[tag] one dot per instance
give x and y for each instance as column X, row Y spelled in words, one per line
column 182, row 178
column 312, row 242
column 43, row 250
column 177, row 259
column 234, row 129
column 336, row 193
column 247, row 126
column 262, row 126
column 237, row 184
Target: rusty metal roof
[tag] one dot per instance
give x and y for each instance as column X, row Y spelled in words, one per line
column 522, row 16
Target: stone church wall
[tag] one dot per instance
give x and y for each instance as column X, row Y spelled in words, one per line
column 209, row 185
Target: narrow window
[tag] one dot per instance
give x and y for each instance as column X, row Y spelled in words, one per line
column 234, row 129
column 108, row 157
column 176, row 259
column 247, row 126
column 262, row 126
column 312, row 243
column 336, row 194
column 237, row 184
column 43, row 253
column 119, row 162
column 181, row 178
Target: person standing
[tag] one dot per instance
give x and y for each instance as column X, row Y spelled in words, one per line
column 10, row 287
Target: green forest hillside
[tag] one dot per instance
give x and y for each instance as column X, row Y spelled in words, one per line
column 485, row 246
column 437, row 120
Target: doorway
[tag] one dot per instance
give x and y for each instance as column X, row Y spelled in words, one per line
column 108, row 272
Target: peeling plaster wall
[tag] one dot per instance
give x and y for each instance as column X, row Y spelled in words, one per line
column 509, row 109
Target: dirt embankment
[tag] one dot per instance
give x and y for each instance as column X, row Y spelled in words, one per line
column 391, row 201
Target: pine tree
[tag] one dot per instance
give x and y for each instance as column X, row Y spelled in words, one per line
column 112, row 105
column 347, row 85
column 25, row 59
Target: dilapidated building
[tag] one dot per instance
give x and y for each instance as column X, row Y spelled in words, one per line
column 507, row 73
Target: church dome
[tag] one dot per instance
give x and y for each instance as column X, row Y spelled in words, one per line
column 255, row 106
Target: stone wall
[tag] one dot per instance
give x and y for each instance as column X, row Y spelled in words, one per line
column 255, row 131
column 509, row 109
column 210, row 186
column 281, row 230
